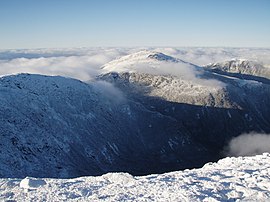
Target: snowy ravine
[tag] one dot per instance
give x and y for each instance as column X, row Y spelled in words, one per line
column 230, row 179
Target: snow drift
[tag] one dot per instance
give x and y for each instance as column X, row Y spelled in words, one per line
column 230, row 179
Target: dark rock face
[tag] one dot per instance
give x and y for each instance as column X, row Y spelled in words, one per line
column 60, row 127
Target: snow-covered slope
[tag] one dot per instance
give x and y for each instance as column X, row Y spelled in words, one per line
column 50, row 125
column 152, row 75
column 163, row 76
column 143, row 61
column 61, row 127
column 230, row 179
column 175, row 80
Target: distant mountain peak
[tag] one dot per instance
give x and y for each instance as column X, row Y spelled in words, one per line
column 241, row 66
column 237, row 62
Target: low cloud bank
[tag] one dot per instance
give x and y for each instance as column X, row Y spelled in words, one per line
column 204, row 56
column 248, row 145
column 80, row 65
column 85, row 63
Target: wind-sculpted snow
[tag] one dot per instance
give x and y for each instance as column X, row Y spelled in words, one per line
column 230, row 179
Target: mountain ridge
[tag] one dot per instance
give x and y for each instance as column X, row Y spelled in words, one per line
column 241, row 66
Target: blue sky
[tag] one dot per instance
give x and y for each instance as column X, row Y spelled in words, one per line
column 91, row 23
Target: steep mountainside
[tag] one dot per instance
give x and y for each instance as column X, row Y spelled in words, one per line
column 60, row 127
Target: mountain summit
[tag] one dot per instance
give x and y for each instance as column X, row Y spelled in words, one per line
column 143, row 61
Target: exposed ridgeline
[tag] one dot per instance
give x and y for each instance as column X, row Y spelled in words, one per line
column 168, row 115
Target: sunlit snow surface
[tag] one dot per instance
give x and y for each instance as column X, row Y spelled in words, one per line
column 231, row 179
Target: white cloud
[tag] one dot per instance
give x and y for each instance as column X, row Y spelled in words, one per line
column 109, row 91
column 204, row 56
column 80, row 65
column 248, row 145
column 184, row 71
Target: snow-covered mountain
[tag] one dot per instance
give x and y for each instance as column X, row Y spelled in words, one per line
column 185, row 87
column 162, row 76
column 147, row 113
column 135, row 62
column 230, row 179
column 211, row 107
column 241, row 66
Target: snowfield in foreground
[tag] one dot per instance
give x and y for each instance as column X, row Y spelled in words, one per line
column 231, row 179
